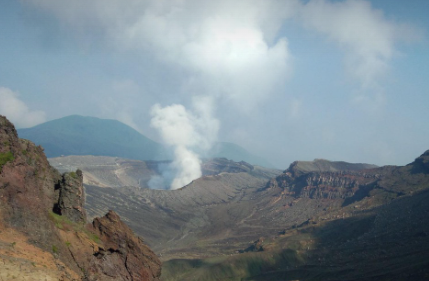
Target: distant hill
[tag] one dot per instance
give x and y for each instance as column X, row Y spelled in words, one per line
column 83, row 135
column 322, row 165
column 79, row 135
column 237, row 153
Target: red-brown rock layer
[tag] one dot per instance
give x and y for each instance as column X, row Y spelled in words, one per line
column 45, row 209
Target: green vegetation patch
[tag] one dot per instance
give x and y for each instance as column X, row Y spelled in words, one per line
column 61, row 222
column 94, row 237
column 64, row 223
column 73, row 175
column 54, row 249
column 5, row 157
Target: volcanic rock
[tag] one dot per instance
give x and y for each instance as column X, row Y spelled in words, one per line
column 422, row 162
column 121, row 244
column 42, row 211
column 71, row 197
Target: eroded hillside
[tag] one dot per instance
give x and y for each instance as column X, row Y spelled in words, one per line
column 44, row 233
column 318, row 220
column 382, row 234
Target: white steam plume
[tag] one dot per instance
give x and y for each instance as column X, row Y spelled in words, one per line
column 188, row 167
column 185, row 132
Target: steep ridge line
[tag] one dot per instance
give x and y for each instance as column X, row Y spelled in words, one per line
column 44, row 212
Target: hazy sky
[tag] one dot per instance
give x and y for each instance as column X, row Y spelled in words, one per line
column 287, row 80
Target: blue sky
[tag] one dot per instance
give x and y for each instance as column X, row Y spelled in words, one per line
column 287, row 80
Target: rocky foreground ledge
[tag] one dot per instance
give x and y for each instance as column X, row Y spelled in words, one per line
column 44, row 234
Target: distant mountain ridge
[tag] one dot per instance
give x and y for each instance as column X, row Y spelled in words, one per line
column 79, row 135
column 84, row 135
column 236, row 153
column 323, row 165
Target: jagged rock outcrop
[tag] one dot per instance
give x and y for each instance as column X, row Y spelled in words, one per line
column 42, row 211
column 71, row 197
column 121, row 244
column 112, row 252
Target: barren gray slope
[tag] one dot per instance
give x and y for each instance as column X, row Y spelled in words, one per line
column 212, row 207
column 322, row 165
column 106, row 171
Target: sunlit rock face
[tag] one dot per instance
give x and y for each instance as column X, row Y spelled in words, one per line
column 43, row 219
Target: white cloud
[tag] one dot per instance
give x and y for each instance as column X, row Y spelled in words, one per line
column 232, row 49
column 295, row 108
column 128, row 91
column 224, row 46
column 17, row 111
column 362, row 32
column 370, row 101
column 229, row 47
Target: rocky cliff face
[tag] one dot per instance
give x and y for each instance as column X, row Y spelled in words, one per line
column 298, row 168
column 108, row 250
column 121, row 244
column 43, row 224
column 318, row 185
column 322, row 179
